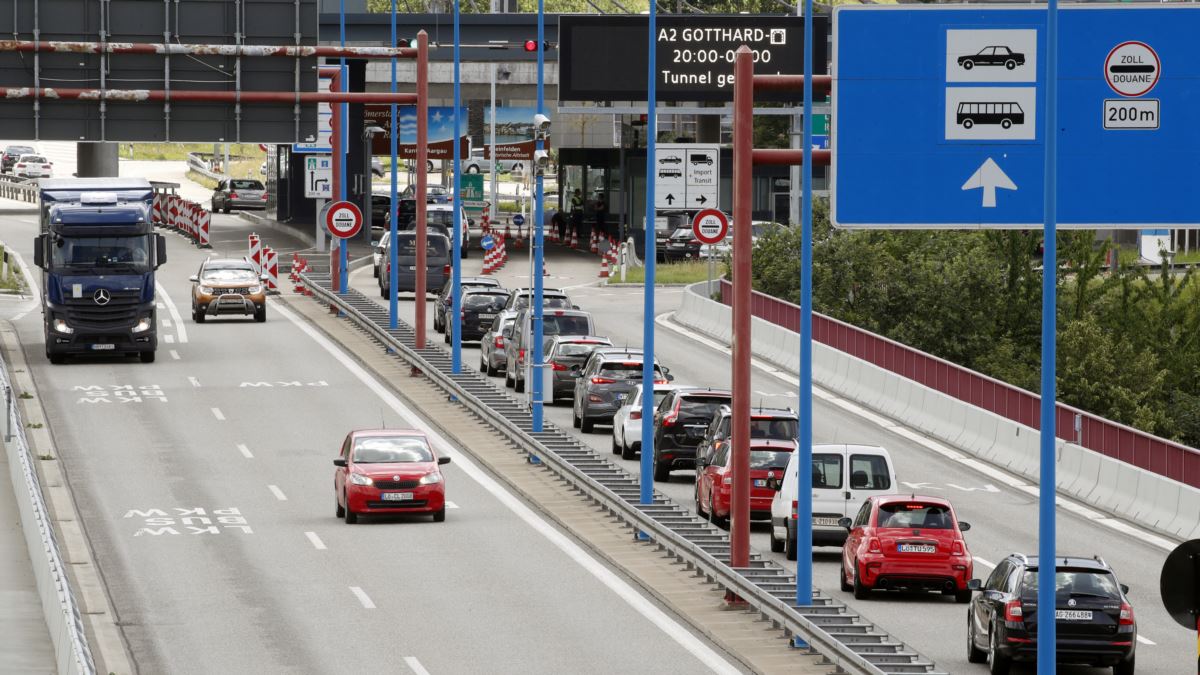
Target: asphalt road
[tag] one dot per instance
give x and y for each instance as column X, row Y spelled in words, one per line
column 1003, row 516
column 204, row 483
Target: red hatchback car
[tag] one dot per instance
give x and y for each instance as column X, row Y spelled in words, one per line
column 900, row 542
column 388, row 471
column 714, row 481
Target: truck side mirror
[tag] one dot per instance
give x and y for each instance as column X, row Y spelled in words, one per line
column 160, row 250
column 39, row 251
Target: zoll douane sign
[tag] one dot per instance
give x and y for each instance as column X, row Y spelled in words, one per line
column 710, row 226
column 343, row 219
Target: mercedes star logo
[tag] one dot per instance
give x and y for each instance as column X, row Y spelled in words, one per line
column 102, row 297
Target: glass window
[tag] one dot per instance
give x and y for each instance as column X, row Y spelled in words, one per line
column 245, row 185
column 774, row 429
column 575, row 348
column 435, row 247
column 864, row 514
column 869, row 472
column 1075, row 583
column 995, row 582
column 388, row 449
column 101, row 254
column 484, row 301
column 701, row 406
column 915, row 515
column 827, row 471
column 227, row 275
column 565, row 325
column 722, row 455
column 624, row 370
column 769, row 459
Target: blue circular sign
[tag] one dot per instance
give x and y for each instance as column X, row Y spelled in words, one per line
column 487, row 242
column 518, row 219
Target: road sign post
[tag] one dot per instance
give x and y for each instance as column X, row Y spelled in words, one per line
column 710, row 227
column 1179, row 588
column 343, row 220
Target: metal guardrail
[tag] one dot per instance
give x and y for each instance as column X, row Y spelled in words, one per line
column 197, row 163
column 19, row 189
column 829, row 627
column 61, row 611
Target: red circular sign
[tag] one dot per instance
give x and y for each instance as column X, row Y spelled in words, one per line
column 343, row 219
column 1132, row 68
column 262, row 146
column 710, row 226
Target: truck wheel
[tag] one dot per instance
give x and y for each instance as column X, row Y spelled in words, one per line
column 146, row 357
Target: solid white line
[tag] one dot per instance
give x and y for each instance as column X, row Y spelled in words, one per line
column 245, row 451
column 277, row 492
column 983, row 562
column 1145, row 641
column 1144, row 536
column 451, row 505
column 415, row 665
column 362, row 597
column 218, row 414
column 179, row 327
column 194, row 381
column 20, row 316
column 664, row 622
column 174, row 354
column 316, row 541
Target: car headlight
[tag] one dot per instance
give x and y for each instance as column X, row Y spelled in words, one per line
column 143, row 325
column 359, row 479
column 431, row 478
column 207, row 290
column 255, row 290
column 60, row 326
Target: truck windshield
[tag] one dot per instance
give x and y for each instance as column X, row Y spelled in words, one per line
column 113, row 255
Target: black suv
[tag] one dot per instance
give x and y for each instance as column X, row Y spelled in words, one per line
column 480, row 305
column 441, row 308
column 680, row 423
column 776, row 424
column 1094, row 620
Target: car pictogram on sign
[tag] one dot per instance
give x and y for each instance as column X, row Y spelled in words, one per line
column 993, row 56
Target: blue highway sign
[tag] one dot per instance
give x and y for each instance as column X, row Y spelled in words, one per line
column 947, row 130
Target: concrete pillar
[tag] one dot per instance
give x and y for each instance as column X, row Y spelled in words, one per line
column 97, row 160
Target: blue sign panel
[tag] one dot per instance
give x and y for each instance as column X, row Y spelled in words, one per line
column 518, row 220
column 947, row 130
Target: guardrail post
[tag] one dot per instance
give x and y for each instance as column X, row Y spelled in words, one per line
column 8, row 410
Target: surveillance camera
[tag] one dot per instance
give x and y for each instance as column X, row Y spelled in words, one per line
column 541, row 123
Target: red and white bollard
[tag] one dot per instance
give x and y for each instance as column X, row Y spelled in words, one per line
column 594, row 245
column 205, row 224
column 574, row 238
column 271, row 268
column 255, row 253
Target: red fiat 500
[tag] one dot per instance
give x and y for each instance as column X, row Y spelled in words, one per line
column 388, row 471
column 714, row 481
column 900, row 542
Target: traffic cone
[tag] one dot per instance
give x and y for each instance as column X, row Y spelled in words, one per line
column 574, row 239
column 520, row 240
column 594, row 245
column 502, row 256
column 604, row 267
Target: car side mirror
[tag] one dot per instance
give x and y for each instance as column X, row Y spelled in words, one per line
column 575, row 368
column 374, row 244
column 670, row 377
column 1124, row 589
column 975, row 585
column 443, row 460
column 39, row 252
column 195, row 278
column 846, row 523
column 701, row 462
column 340, row 461
column 575, row 307
column 575, row 373
column 963, row 526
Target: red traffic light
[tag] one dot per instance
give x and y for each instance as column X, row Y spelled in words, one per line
column 531, row 45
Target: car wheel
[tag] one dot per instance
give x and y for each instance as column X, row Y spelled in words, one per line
column 662, row 472
column 519, row 385
column 998, row 664
column 383, row 292
column 629, row 451
column 963, row 596
column 861, row 591
column 967, row 65
column 713, row 518
column 1124, row 667
column 510, row 383
column 227, row 209
column 789, row 546
column 586, row 426
column 446, row 336
column 341, row 510
column 777, row 545
column 482, row 365
column 974, row 654
column 350, row 516
column 260, row 314
column 491, row 370
column 375, row 271
column 616, row 448
column 56, row 359
column 846, row 586
column 1010, row 64
column 440, row 515
column 575, row 421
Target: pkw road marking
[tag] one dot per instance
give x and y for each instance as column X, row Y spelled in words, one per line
column 179, row 327
column 362, row 597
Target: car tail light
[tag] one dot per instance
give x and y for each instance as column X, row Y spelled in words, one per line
column 1013, row 611
column 264, row 197
column 499, row 342
column 603, row 380
column 669, row 419
column 20, row 166
column 45, row 166
column 558, row 366
column 873, row 545
column 958, row 548
column 446, row 270
column 660, row 381
column 233, row 195
column 521, row 354
column 635, row 414
column 1126, row 614
column 795, row 509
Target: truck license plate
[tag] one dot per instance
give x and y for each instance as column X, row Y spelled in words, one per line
column 102, row 347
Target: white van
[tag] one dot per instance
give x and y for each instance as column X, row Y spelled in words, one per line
column 843, row 477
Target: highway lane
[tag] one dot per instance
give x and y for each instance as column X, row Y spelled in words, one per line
column 204, row 482
column 1004, row 516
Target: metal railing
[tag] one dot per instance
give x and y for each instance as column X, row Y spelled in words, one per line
column 61, row 611
column 770, row 607
column 18, row 189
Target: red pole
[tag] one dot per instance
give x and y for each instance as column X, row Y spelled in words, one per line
column 772, row 157
column 821, row 83
column 422, row 158
column 177, row 95
column 743, row 145
column 335, row 144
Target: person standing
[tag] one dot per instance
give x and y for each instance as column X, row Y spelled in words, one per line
column 601, row 215
column 577, row 213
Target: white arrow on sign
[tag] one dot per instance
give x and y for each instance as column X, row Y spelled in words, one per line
column 988, row 177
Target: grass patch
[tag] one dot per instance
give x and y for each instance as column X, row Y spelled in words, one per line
column 179, row 151
column 202, row 180
column 673, row 273
column 10, row 279
column 25, row 395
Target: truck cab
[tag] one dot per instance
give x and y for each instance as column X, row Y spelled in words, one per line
column 98, row 253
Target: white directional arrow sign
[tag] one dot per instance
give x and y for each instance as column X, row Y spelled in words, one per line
column 988, row 177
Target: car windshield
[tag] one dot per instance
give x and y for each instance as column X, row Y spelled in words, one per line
column 701, row 406
column 118, row 255
column 391, row 449
column 1075, row 583
column 228, row 275
column 778, row 430
column 245, row 185
column 18, row 150
column 484, row 301
column 443, row 218
column 435, row 247
column 915, row 515
column 554, row 324
column 769, row 459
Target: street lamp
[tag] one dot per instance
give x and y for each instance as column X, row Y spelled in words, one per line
column 368, row 179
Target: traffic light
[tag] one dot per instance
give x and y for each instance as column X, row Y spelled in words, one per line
column 531, row 46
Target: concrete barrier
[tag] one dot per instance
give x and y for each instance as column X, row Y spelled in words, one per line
column 1109, row 484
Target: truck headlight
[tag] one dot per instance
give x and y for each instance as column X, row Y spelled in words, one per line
column 60, row 326
column 143, row 325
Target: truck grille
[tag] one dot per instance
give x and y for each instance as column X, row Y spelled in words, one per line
column 121, row 311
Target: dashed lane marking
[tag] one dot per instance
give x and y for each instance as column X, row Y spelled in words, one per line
column 218, row 414
column 174, row 354
column 194, row 381
column 315, row 540
column 245, row 451
column 415, row 665
column 451, row 505
column 169, row 339
column 277, row 492
column 362, row 597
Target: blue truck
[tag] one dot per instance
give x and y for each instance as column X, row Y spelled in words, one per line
column 98, row 253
